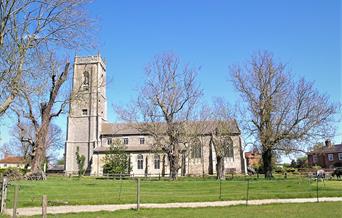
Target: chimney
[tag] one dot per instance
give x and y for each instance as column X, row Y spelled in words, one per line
column 328, row 143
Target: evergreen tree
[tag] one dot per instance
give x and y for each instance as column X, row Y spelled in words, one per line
column 117, row 160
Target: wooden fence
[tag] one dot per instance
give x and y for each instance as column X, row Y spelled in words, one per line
column 4, row 185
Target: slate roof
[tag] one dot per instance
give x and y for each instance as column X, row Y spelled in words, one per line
column 325, row 149
column 129, row 148
column 59, row 167
column 132, row 129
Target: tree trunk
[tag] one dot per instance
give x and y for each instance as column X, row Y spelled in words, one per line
column 174, row 166
column 220, row 167
column 163, row 167
column 183, row 164
column 146, row 166
column 210, row 167
column 38, row 154
column 267, row 163
column 202, row 161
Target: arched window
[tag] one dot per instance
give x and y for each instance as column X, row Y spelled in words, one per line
column 228, row 147
column 140, row 160
column 156, row 161
column 86, row 78
column 85, row 83
column 196, row 150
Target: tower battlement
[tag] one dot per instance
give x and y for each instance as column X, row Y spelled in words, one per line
column 90, row 60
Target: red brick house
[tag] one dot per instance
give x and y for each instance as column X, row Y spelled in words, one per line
column 253, row 158
column 12, row 161
column 327, row 156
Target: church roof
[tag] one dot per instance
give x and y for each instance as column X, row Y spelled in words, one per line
column 119, row 129
column 130, row 148
column 204, row 127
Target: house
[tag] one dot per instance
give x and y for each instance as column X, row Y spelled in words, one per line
column 12, row 161
column 253, row 158
column 328, row 156
column 89, row 132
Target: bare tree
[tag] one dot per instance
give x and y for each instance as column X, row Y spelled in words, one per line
column 38, row 103
column 165, row 103
column 23, row 139
column 31, row 78
column 31, row 26
column 283, row 114
column 217, row 121
column 7, row 149
column 222, row 116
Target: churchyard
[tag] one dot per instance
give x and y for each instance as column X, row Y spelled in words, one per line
column 93, row 191
column 304, row 210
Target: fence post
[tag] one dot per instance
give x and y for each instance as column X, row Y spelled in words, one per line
column 44, row 206
column 120, row 188
column 247, row 192
column 317, row 190
column 3, row 194
column 15, row 201
column 220, row 197
column 138, row 193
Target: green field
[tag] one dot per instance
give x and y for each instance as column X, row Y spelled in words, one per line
column 88, row 190
column 304, row 210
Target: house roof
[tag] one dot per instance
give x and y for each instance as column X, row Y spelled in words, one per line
column 325, row 149
column 251, row 154
column 204, row 127
column 12, row 160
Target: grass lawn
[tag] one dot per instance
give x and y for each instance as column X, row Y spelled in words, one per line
column 88, row 190
column 310, row 210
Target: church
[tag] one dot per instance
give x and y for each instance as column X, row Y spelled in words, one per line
column 89, row 132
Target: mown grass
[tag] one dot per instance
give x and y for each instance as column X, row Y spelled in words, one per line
column 88, row 190
column 302, row 210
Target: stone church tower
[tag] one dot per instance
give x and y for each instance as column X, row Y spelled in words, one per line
column 87, row 112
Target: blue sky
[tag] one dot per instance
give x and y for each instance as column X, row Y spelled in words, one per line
column 214, row 35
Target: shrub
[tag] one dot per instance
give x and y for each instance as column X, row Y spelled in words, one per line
column 338, row 164
column 117, row 160
column 279, row 170
column 13, row 174
column 290, row 170
column 80, row 159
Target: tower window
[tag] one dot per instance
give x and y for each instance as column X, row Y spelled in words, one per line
column 109, row 141
column 85, row 83
column 84, row 112
column 142, row 140
column 125, row 141
column 86, row 78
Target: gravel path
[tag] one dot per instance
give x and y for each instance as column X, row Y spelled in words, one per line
column 113, row 207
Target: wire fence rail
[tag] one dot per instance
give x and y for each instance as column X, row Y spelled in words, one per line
column 58, row 192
